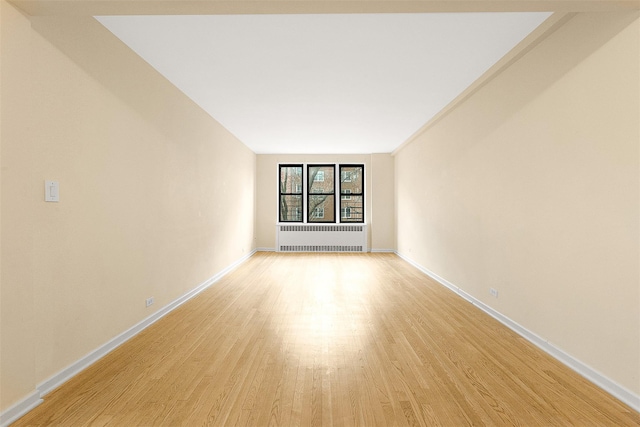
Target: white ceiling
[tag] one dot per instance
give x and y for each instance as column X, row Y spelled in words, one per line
column 326, row 83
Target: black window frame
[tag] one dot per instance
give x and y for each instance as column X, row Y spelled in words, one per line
column 309, row 193
column 352, row 193
column 281, row 193
column 338, row 191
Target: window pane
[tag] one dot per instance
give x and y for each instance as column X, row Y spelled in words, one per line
column 291, row 179
column 352, row 210
column 334, row 193
column 323, row 205
column 321, row 179
column 351, row 179
column 291, row 208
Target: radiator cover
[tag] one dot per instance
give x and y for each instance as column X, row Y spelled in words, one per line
column 321, row 238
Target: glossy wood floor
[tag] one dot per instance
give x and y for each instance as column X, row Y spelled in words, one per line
column 323, row 339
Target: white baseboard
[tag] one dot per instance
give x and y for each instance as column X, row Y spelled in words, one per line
column 16, row 411
column 33, row 400
column 266, row 249
column 581, row 368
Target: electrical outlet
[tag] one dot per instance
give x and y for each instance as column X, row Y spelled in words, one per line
column 149, row 301
column 493, row 292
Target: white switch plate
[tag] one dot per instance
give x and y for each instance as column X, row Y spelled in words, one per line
column 51, row 191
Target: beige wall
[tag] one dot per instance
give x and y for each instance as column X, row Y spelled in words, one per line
column 531, row 187
column 379, row 210
column 383, row 222
column 155, row 196
column 2, row 7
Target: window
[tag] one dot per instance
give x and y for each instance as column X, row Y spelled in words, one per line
column 307, row 193
column 290, row 193
column 351, row 193
column 321, row 193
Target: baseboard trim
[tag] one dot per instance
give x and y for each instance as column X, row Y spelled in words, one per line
column 605, row 383
column 61, row 377
column 33, row 400
column 16, row 411
column 266, row 249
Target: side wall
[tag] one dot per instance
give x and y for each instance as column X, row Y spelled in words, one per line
column 155, row 196
column 379, row 201
column 531, row 187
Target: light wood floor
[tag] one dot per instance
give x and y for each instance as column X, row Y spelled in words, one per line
column 322, row 339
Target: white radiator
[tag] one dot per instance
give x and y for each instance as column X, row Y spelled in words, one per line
column 321, row 238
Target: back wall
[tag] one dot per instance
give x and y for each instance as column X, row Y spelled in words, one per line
column 379, row 195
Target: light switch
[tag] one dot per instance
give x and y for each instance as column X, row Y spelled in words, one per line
column 51, row 191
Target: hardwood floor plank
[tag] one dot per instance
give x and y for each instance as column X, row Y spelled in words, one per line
column 328, row 340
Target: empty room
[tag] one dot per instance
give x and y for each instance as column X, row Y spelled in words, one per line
column 319, row 213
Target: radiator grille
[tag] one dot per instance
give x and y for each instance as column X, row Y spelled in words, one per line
column 321, row 238
column 321, row 228
column 324, row 248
